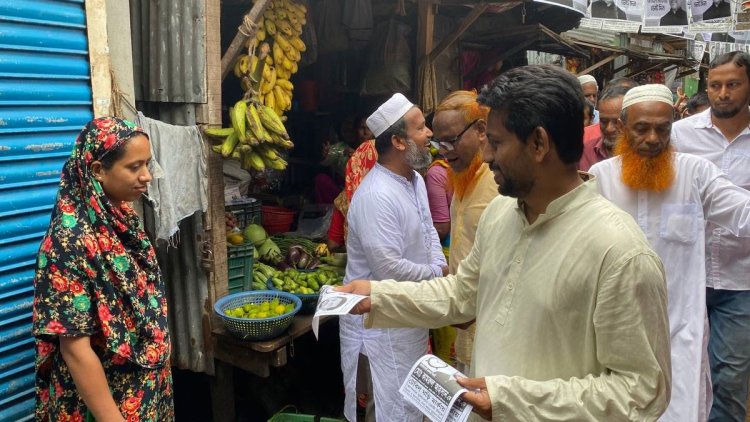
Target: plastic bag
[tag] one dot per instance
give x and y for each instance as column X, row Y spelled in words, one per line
column 314, row 221
column 389, row 65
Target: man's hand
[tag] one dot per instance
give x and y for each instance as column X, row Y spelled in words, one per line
column 477, row 396
column 445, row 271
column 358, row 287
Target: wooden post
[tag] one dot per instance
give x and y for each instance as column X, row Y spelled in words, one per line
column 425, row 28
column 462, row 27
column 256, row 13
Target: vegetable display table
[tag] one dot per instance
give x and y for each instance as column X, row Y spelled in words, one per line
column 256, row 357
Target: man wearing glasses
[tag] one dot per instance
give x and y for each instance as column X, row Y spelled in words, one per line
column 460, row 125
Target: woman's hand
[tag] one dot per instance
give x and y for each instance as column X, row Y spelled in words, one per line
column 88, row 374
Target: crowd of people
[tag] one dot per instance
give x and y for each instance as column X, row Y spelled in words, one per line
column 598, row 259
column 582, row 254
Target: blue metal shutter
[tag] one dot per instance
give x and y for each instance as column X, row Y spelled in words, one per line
column 45, row 99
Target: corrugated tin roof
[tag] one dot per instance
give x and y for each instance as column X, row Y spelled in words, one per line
column 169, row 50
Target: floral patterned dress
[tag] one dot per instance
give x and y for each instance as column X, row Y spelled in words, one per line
column 97, row 276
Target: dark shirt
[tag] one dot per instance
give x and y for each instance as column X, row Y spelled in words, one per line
column 678, row 18
column 720, row 11
column 599, row 9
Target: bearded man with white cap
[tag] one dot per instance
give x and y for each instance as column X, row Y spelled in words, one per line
column 672, row 195
column 391, row 236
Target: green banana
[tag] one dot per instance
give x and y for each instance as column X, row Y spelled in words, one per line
column 230, row 143
column 218, row 133
column 271, row 121
column 253, row 121
column 237, row 117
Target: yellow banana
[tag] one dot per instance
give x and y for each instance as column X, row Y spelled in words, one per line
column 236, row 154
column 236, row 69
column 269, row 83
column 285, row 84
column 301, row 7
column 267, row 73
column 283, row 42
column 287, row 64
column 280, row 13
column 297, row 43
column 251, row 138
column 244, row 63
column 282, row 100
column 229, row 144
column 293, row 55
column 270, row 27
column 282, row 73
column 271, row 121
column 283, row 26
column 278, row 54
column 269, row 60
column 269, row 100
column 269, row 15
column 253, row 64
column 268, row 151
column 216, row 149
column 294, row 68
column 260, row 34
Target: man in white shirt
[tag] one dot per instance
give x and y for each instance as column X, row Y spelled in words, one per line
column 569, row 298
column 721, row 135
column 391, row 235
column 671, row 195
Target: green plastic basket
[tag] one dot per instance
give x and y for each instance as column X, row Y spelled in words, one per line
column 240, row 267
column 256, row 329
column 286, row 415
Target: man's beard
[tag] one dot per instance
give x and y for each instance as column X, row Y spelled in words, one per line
column 725, row 114
column 654, row 174
column 417, row 158
column 462, row 181
column 609, row 143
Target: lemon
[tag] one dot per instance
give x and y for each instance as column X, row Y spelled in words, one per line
column 235, row 239
column 279, row 309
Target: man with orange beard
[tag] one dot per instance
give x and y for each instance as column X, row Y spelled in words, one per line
column 459, row 129
column 672, row 195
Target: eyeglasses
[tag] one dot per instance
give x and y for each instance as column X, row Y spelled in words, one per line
column 450, row 144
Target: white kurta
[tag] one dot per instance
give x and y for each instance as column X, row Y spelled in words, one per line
column 674, row 222
column 391, row 235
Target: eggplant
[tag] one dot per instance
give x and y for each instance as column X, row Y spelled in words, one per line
column 294, row 254
column 303, row 260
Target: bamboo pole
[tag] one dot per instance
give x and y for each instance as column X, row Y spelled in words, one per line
column 244, row 32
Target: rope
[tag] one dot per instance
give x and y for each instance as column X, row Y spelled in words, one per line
column 248, row 27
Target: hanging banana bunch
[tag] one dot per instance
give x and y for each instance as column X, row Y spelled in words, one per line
column 257, row 137
column 280, row 27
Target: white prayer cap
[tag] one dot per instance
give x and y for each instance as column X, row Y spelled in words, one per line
column 388, row 114
column 643, row 93
column 585, row 79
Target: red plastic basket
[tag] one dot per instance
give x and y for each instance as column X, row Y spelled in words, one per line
column 277, row 219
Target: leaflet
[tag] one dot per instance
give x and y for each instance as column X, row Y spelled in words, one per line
column 431, row 387
column 332, row 302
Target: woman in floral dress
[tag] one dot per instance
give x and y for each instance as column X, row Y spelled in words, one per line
column 100, row 313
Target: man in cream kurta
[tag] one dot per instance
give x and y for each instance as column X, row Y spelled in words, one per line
column 568, row 296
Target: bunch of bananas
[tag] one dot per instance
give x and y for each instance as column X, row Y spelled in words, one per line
column 278, row 34
column 256, row 139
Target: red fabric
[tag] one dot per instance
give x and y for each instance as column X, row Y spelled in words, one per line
column 336, row 229
column 593, row 147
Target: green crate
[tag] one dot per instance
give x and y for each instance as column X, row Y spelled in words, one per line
column 240, row 267
column 247, row 211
